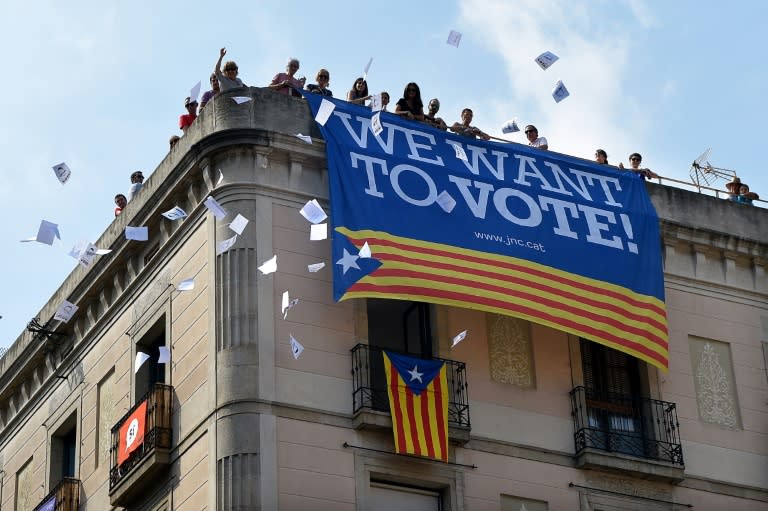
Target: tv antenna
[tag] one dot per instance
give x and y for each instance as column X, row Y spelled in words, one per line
column 704, row 173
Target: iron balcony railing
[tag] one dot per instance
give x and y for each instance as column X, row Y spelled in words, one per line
column 157, row 433
column 369, row 384
column 637, row 426
column 65, row 496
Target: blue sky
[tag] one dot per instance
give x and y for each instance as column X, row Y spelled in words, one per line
column 100, row 85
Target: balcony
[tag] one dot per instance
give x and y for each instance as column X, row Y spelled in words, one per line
column 129, row 478
column 371, row 403
column 64, row 497
column 627, row 433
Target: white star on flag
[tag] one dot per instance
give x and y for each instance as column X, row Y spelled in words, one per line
column 348, row 261
column 415, row 374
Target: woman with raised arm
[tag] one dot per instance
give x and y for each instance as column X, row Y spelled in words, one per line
column 227, row 79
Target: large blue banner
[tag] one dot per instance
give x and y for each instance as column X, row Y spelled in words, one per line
column 494, row 226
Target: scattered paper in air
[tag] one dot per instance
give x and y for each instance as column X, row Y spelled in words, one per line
column 136, row 233
column 324, row 112
column 287, row 304
column 194, row 93
column 313, row 212
column 459, row 337
column 221, row 178
column 215, row 208
column 141, row 357
column 318, row 232
column 225, row 245
column 446, row 201
column 365, row 251
column 510, row 126
column 165, row 355
column 376, row 126
column 62, row 172
column 87, row 254
column 103, row 251
column 175, row 213
column 460, row 154
column 367, row 68
column 454, row 38
column 315, row 267
column 65, row 311
column 269, row 266
column 546, row 59
column 296, row 348
column 238, row 224
column 305, row 138
column 186, row 285
column 46, row 233
column 376, row 103
column 241, row 99
column 560, row 92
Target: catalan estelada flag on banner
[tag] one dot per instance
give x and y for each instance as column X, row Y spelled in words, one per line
column 132, row 433
column 497, row 227
column 418, row 402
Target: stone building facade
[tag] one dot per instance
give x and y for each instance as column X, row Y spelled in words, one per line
column 539, row 420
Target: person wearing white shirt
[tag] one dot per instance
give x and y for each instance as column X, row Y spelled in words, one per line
column 534, row 140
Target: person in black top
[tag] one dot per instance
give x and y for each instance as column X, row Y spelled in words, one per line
column 322, row 78
column 410, row 105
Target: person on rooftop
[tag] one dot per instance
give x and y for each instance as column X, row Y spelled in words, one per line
column 358, row 94
column 431, row 119
column 601, row 157
column 287, row 83
column 137, row 181
column 173, row 141
column 534, row 140
column 186, row 120
column 635, row 159
column 323, row 78
column 410, row 105
column 745, row 196
column 209, row 95
column 384, row 101
column 465, row 129
column 120, row 202
column 734, row 187
column 228, row 78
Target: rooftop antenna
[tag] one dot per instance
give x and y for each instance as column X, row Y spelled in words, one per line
column 703, row 173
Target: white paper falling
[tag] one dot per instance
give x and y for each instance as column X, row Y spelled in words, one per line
column 324, row 112
column 141, row 357
column 186, row 285
column 165, row 355
column 241, row 99
column 546, row 59
column 318, row 232
column 225, row 245
column 269, row 266
column 46, row 233
column 136, row 233
column 458, row 338
column 560, row 92
column 313, row 212
column 305, row 138
column 215, row 208
column 175, row 213
column 454, row 38
column 62, row 172
column 194, row 93
column 296, row 347
column 365, row 251
column 238, row 224
column 65, row 311
column 446, row 201
column 367, row 68
column 376, row 104
column 315, row 267
column 510, row 126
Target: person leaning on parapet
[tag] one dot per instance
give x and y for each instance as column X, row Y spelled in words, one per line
column 286, row 83
column 384, row 101
column 120, row 202
column 464, row 128
column 601, row 157
column 358, row 94
column 322, row 78
column 137, row 181
column 410, row 105
column 186, row 120
column 227, row 79
column 173, row 141
column 534, row 140
column 635, row 159
column 430, row 117
column 733, row 189
column 209, row 95
column 745, row 196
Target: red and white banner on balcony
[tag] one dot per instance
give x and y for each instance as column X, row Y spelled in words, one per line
column 132, row 433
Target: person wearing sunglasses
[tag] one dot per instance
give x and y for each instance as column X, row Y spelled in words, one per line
column 534, row 140
column 431, row 116
column 322, row 78
column 410, row 105
column 635, row 159
column 228, row 78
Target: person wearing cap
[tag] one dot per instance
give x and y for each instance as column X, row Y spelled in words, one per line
column 186, row 120
column 429, row 118
column 634, row 162
column 534, row 140
column 464, row 127
column 734, row 187
column 228, row 78
column 209, row 95
column 137, row 181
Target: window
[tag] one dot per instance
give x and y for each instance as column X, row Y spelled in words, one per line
column 64, row 451
column 386, row 497
column 151, row 371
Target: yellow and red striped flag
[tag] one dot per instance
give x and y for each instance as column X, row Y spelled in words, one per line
column 418, row 402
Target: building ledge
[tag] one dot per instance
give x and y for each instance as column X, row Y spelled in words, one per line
column 373, row 419
column 134, row 485
column 622, row 464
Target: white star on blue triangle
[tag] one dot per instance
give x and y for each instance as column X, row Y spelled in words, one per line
column 348, row 261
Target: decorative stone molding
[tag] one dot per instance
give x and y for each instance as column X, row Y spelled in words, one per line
column 238, row 482
column 714, row 383
column 510, row 353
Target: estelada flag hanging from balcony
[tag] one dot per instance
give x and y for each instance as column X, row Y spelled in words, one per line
column 418, row 404
column 498, row 227
column 132, row 433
